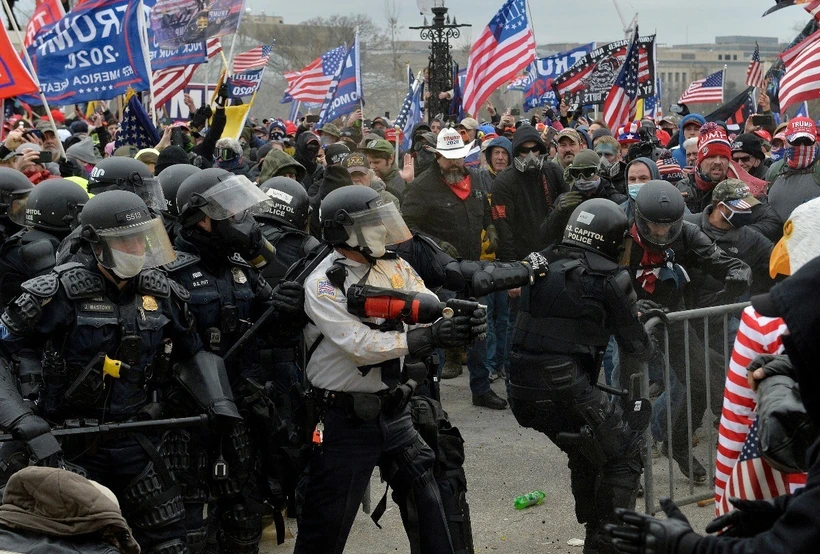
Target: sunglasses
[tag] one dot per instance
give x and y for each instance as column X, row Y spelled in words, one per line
column 742, row 159
column 528, row 149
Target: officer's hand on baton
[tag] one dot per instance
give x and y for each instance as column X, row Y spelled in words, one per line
column 289, row 297
column 36, row 433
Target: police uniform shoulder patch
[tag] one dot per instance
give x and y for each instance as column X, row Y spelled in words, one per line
column 183, row 259
column 154, row 283
column 43, row 286
column 179, row 291
column 325, row 289
column 79, row 282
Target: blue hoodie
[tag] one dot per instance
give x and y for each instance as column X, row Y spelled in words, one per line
column 679, row 153
column 503, row 142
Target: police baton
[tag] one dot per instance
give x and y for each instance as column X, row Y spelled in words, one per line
column 82, row 429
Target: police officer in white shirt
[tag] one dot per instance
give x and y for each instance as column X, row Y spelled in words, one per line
column 354, row 369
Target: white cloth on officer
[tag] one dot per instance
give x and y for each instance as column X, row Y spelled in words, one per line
column 348, row 343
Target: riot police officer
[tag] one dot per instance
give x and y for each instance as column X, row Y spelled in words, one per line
column 215, row 235
column 14, row 187
column 170, row 179
column 104, row 330
column 51, row 212
column 564, row 325
column 121, row 173
column 354, row 370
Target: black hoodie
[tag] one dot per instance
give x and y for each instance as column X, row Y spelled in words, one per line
column 522, row 201
column 301, row 155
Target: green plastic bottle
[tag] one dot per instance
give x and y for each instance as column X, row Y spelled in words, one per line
column 530, row 499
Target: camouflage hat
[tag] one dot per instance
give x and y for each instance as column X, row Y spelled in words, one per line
column 378, row 146
column 736, row 194
column 330, row 129
column 569, row 133
column 356, row 163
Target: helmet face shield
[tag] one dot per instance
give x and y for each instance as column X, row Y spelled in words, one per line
column 17, row 207
column 229, row 197
column 151, row 192
column 658, row 234
column 377, row 228
column 129, row 249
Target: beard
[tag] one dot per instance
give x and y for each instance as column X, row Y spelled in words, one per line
column 453, row 176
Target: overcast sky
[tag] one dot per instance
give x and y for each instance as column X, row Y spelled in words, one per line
column 675, row 21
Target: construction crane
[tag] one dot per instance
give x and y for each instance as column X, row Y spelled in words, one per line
column 628, row 29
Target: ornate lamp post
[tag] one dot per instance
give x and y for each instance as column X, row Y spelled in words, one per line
column 440, row 68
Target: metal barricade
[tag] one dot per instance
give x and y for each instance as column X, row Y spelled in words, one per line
column 687, row 318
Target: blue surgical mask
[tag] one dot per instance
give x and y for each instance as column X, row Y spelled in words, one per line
column 633, row 188
column 777, row 154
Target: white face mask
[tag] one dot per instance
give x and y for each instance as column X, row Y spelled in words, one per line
column 374, row 238
column 127, row 265
column 633, row 189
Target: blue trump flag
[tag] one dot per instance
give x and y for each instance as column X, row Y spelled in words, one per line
column 94, row 53
column 345, row 93
column 410, row 114
column 137, row 128
column 244, row 83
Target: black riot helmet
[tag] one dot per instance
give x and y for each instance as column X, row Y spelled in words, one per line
column 124, row 235
column 598, row 225
column 14, row 188
column 357, row 216
column 54, row 206
column 290, row 203
column 170, row 179
column 659, row 209
column 218, row 194
column 121, row 173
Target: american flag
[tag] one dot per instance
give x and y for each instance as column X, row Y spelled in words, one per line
column 802, row 79
column 410, row 114
column 578, row 76
column 754, row 74
column 255, row 58
column 708, row 89
column 506, row 46
column 168, row 82
column 620, row 102
column 310, row 84
column 737, row 435
column 136, row 127
column 813, row 8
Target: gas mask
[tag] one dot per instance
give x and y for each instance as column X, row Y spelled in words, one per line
column 532, row 161
column 240, row 234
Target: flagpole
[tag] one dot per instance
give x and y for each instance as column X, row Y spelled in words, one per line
column 33, row 75
column 147, row 56
column 230, row 55
column 356, row 46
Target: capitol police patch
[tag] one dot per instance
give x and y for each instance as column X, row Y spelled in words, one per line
column 325, row 289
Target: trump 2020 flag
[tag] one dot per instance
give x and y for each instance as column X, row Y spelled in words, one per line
column 14, row 77
column 345, row 92
column 45, row 13
column 136, row 128
column 505, row 47
column 94, row 53
column 244, row 83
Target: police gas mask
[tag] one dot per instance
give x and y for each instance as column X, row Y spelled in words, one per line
column 240, row 233
column 530, row 161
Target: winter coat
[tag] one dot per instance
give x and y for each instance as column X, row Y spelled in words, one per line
column 276, row 161
column 793, row 187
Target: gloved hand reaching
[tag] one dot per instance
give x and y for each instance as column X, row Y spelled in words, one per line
column 648, row 535
column 568, row 201
column 749, row 518
column 492, row 236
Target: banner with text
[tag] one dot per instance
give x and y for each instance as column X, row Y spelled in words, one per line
column 93, row 53
column 244, row 83
column 178, row 22
column 543, row 71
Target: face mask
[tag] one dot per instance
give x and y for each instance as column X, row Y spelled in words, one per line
column 371, row 239
column 312, row 150
column 127, row 265
column 528, row 162
column 633, row 189
column 777, row 154
column 424, row 159
column 801, row 156
column 585, row 186
column 737, row 219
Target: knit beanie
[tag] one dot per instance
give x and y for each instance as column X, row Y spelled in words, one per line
column 713, row 141
column 749, row 143
column 172, row 155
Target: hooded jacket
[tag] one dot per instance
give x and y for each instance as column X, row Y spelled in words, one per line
column 522, row 201
column 276, row 161
column 628, row 206
column 49, row 510
column 486, row 176
column 679, row 153
column 301, row 156
column 335, row 176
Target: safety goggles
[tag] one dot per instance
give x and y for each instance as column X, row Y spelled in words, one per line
column 584, row 173
column 225, row 154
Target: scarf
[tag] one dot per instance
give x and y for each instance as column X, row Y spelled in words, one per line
column 801, row 157
column 651, row 261
column 461, row 189
column 703, row 182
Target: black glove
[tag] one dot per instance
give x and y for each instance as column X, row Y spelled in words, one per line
column 68, row 168
column 448, row 248
column 444, row 333
column 649, row 309
column 568, row 201
column 737, row 284
column 492, row 236
column 478, row 324
column 36, row 433
column 222, row 95
column 749, row 518
column 289, row 297
column 644, row 534
column 773, row 365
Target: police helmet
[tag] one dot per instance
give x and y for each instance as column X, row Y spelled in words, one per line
column 598, row 225
column 217, row 193
column 14, row 188
column 170, row 179
column 290, row 203
column 125, row 236
column 358, row 217
column 121, row 173
column 659, row 209
column 54, row 206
